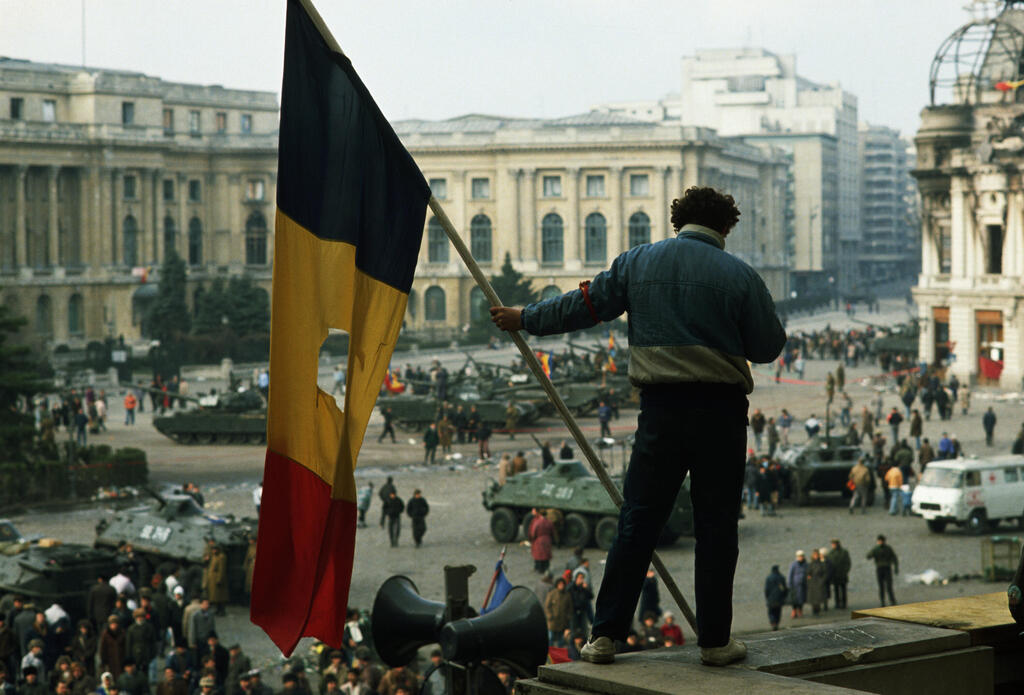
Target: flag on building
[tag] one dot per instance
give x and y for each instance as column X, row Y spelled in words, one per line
column 350, row 209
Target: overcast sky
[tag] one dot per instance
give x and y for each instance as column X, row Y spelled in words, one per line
column 543, row 58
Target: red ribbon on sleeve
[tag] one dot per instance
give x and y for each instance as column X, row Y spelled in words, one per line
column 585, row 288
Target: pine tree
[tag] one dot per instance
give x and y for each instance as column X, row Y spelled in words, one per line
column 512, row 288
column 22, row 376
column 168, row 317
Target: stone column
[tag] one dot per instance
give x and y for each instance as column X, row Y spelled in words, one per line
column 20, row 210
column 660, row 220
column 531, row 244
column 573, row 248
column 157, row 218
column 515, row 175
column 617, row 228
column 116, row 213
column 87, row 230
column 52, row 225
column 183, row 220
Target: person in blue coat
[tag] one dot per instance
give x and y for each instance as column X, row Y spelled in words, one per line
column 798, row 584
column 775, row 591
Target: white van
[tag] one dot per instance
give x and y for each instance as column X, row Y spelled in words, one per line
column 976, row 493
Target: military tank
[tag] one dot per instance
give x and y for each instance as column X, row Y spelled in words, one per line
column 415, row 413
column 590, row 516
column 174, row 528
column 48, row 571
column 822, row 464
column 229, row 418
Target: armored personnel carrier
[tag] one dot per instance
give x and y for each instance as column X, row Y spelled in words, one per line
column 47, row 571
column 590, row 516
column 174, row 528
column 415, row 413
column 822, row 464
column 228, row 418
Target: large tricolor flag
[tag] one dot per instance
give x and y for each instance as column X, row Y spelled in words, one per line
column 350, row 209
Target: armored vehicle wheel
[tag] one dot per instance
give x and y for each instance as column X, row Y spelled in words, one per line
column 204, row 437
column 257, row 438
column 605, row 531
column 577, row 531
column 527, row 520
column 977, row 522
column 504, row 526
column 936, row 525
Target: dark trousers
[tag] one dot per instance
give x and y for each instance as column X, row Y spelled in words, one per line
column 884, row 575
column 394, row 529
column 419, row 527
column 839, row 594
column 388, row 429
column 429, row 453
column 700, row 429
column 774, row 615
column 606, row 431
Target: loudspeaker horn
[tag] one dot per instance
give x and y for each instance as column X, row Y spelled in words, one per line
column 515, row 633
column 403, row 621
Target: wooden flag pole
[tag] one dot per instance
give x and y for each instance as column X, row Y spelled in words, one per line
column 534, row 364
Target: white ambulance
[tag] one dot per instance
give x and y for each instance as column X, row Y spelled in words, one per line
column 976, row 493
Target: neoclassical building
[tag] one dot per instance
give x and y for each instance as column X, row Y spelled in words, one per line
column 970, row 149
column 563, row 197
column 103, row 171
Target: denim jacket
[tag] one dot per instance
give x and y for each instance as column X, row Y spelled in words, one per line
column 696, row 313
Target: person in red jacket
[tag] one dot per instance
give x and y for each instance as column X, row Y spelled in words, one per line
column 541, row 534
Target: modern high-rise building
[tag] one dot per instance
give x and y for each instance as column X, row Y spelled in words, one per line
column 758, row 95
column 102, row 172
column 890, row 249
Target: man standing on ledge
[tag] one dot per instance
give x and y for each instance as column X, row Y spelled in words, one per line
column 696, row 315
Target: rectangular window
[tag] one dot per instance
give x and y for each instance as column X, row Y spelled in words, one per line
column 1011, row 475
column 193, row 122
column 439, row 188
column 168, row 189
column 222, row 122
column 168, row 121
column 481, row 188
column 194, row 191
column 246, row 122
column 127, row 112
column 17, row 108
column 49, row 110
column 595, row 186
column 254, row 189
column 129, row 187
column 552, row 186
column 638, row 185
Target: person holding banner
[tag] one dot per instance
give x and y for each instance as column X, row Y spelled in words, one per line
column 697, row 315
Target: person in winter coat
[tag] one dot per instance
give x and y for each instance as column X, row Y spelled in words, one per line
column 557, row 611
column 581, row 596
column 916, row 426
column 839, row 559
column 215, row 579
column 541, row 535
column 386, row 489
column 775, row 591
column 417, row 509
column 860, row 477
column 430, row 441
column 84, row 645
column 112, row 647
column 817, row 582
column 393, row 507
column 757, row 425
column 798, row 584
column 363, row 499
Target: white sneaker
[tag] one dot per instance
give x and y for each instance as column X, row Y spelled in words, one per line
column 722, row 656
column 599, row 650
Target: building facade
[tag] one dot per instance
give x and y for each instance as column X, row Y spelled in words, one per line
column 758, row 95
column 564, row 197
column 970, row 155
column 889, row 210
column 102, row 172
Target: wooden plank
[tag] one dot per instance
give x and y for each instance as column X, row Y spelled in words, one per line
column 985, row 618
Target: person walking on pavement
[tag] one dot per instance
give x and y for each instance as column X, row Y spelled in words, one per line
column 817, row 582
column 363, row 499
column 696, row 315
column 894, row 481
column 541, row 534
column 604, row 416
column 894, row 419
column 389, row 426
column 839, row 558
column 417, row 509
column 988, row 421
column 385, row 491
column 393, row 508
column 916, row 427
column 130, row 403
column 886, row 564
column 757, row 424
column 430, row 441
column 798, row 584
column 775, row 591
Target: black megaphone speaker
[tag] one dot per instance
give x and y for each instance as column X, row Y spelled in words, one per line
column 403, row 621
column 515, row 633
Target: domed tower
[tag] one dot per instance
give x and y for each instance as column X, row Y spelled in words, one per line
column 970, row 152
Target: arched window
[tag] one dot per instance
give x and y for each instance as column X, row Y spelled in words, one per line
column 478, row 306
column 437, row 242
column 195, row 241
column 480, row 238
column 75, row 309
column 551, row 239
column 549, row 292
column 256, row 240
column 435, row 309
column 170, row 236
column 597, row 238
column 130, row 241
column 639, row 229
column 44, row 315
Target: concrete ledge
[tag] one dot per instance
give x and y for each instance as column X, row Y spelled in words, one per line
column 985, row 618
column 959, row 672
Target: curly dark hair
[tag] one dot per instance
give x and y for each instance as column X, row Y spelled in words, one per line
column 707, row 207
